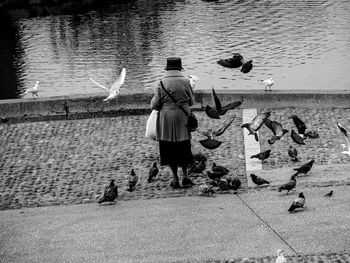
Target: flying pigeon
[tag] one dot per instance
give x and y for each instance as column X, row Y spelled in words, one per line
column 280, row 258
column 211, row 142
column 153, row 172
column 193, row 80
column 110, row 193
column 305, row 168
column 277, row 130
column 223, row 109
column 297, row 138
column 346, row 133
column 256, row 124
column 329, row 194
column 235, row 62
column 114, row 90
column 34, row 90
column 293, row 153
column 211, row 112
column 262, row 155
column 247, row 66
column 268, row 83
column 289, row 185
column 311, row 135
column 258, row 180
column 298, row 202
column 301, row 127
column 132, row 180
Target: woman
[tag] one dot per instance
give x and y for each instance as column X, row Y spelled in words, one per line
column 172, row 133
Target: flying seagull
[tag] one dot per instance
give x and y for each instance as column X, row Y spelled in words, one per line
column 298, row 202
column 256, row 124
column 347, row 137
column 268, row 83
column 110, row 194
column 114, row 90
column 34, row 90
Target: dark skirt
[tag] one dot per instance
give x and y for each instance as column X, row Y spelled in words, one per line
column 175, row 153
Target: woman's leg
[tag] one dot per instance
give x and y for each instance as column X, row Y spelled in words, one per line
column 174, row 171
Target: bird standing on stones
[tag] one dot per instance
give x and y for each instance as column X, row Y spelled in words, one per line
column 110, row 194
column 293, row 153
column 277, row 130
column 223, row 184
column 235, row 62
column 280, row 258
column 262, row 155
column 329, row 194
column 297, row 138
column 268, row 83
column 132, row 180
column 34, row 90
column 153, row 172
column 305, row 168
column 214, row 176
column 256, row 124
column 247, row 66
column 219, row 169
column 298, row 202
column 258, row 180
column 234, row 183
column 346, row 133
column 211, row 142
column 289, row 185
column 114, row 90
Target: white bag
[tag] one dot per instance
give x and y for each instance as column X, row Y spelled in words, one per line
column 151, row 125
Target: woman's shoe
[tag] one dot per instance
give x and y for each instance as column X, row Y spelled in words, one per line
column 175, row 184
column 187, row 182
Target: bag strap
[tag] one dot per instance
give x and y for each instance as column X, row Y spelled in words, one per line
column 174, row 100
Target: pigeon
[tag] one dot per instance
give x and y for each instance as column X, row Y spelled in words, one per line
column 204, row 189
column 247, row 66
column 110, row 194
column 4, row 120
column 289, row 185
column 223, row 109
column 258, row 180
column 346, row 133
column 298, row 202
column 280, row 258
column 219, row 169
column 198, row 166
column 223, row 184
column 132, row 180
column 256, row 124
column 293, row 153
column 214, row 176
column 311, row 135
column 153, row 172
column 301, row 127
column 329, row 194
column 193, row 80
column 211, row 112
column 277, row 130
column 114, row 90
column 297, row 138
column 235, row 62
column 305, row 168
column 34, row 90
column 268, row 83
column 262, row 156
column 211, row 142
column 234, row 182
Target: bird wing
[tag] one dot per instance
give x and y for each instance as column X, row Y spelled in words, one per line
column 299, row 124
column 222, row 129
column 297, row 138
column 299, row 202
column 343, row 130
column 217, row 101
column 120, row 80
column 205, row 133
column 268, row 124
column 212, row 113
column 231, row 106
column 98, row 84
column 259, row 120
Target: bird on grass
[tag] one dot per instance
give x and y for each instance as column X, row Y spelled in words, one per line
column 256, row 124
column 305, row 168
column 297, row 138
column 247, row 66
column 293, row 153
column 289, row 185
column 346, row 133
column 258, row 180
column 211, row 142
column 268, row 83
column 280, row 258
column 34, row 90
column 262, row 156
column 298, row 202
column 132, row 180
column 276, row 129
column 114, row 90
column 235, row 62
column 153, row 172
column 330, row 194
column 110, row 193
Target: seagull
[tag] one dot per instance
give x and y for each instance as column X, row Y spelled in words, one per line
column 114, row 90
column 34, row 90
column 268, row 83
column 277, row 130
column 347, row 137
column 280, row 258
column 247, row 66
column 110, row 194
column 258, row 180
column 289, row 185
column 193, row 80
column 293, row 153
column 256, row 124
column 329, row 194
column 262, row 155
column 305, row 168
column 132, row 180
column 211, row 142
column 153, row 172
column 298, row 202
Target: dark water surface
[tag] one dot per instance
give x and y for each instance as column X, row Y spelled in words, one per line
column 302, row 44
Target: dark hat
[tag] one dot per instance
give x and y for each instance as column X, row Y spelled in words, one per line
column 173, row 63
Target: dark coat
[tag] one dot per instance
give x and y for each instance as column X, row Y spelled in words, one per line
column 171, row 124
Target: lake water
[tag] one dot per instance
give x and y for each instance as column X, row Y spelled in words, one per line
column 302, row 44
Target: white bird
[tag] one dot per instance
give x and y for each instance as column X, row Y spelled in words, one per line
column 347, row 136
column 280, row 258
column 34, row 90
column 114, row 90
column 193, row 80
column 268, row 83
